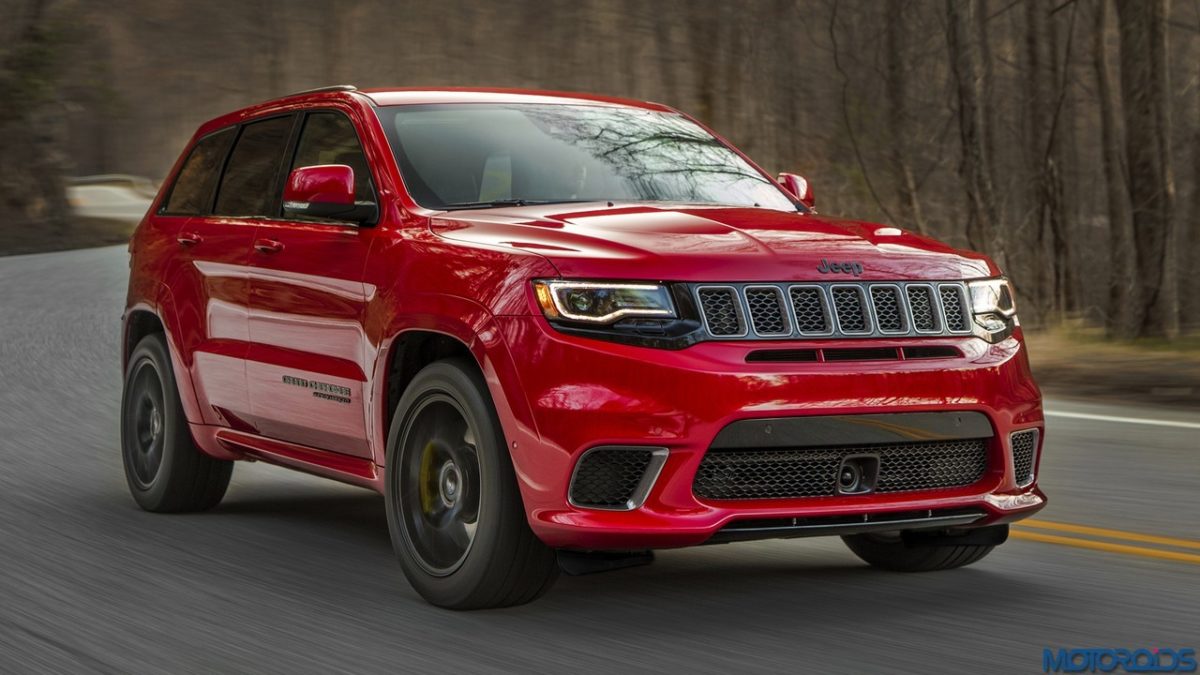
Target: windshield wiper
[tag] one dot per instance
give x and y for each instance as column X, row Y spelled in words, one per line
column 496, row 203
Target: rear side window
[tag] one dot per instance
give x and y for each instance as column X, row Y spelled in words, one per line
column 193, row 190
column 250, row 181
column 329, row 138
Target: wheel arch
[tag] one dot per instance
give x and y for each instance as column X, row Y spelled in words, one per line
column 428, row 339
column 142, row 319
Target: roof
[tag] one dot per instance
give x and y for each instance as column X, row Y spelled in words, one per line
column 417, row 96
column 413, row 96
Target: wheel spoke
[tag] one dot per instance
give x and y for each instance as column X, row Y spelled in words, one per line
column 439, row 484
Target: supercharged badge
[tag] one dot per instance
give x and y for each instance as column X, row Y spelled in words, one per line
column 323, row 390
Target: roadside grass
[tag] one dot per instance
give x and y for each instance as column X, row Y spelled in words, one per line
column 82, row 233
column 1082, row 362
column 1087, row 335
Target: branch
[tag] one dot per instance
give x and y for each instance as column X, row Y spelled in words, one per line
column 837, row 64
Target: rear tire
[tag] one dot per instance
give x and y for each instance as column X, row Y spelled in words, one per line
column 891, row 551
column 454, row 510
column 165, row 471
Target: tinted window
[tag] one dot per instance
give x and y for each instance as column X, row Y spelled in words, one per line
column 329, row 138
column 193, row 189
column 249, row 184
column 468, row 155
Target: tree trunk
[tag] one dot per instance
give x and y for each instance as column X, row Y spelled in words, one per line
column 1125, row 311
column 966, row 59
column 1145, row 87
column 897, row 119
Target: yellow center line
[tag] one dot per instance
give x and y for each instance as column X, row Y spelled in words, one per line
column 1107, row 546
column 1109, row 534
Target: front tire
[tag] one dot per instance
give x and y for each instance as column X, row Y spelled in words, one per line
column 454, row 510
column 165, row 471
column 895, row 552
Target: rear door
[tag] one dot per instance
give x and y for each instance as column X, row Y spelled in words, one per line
column 308, row 356
column 208, row 282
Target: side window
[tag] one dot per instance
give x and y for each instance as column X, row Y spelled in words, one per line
column 193, row 189
column 329, row 138
column 249, row 184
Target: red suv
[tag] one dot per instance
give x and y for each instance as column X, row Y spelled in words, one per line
column 557, row 331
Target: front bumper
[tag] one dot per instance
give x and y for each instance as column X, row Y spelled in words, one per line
column 582, row 393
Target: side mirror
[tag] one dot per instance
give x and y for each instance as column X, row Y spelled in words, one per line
column 325, row 191
column 799, row 187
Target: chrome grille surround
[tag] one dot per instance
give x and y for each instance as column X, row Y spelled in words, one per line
column 954, row 321
column 723, row 309
column 768, row 310
column 810, row 310
column 923, row 302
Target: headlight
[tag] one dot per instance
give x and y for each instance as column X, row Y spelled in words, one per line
column 602, row 302
column 993, row 305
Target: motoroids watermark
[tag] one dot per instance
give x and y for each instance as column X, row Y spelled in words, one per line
column 1108, row 660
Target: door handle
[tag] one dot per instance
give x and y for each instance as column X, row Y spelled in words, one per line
column 188, row 239
column 268, row 246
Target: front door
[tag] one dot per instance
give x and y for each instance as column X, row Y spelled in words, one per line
column 308, row 357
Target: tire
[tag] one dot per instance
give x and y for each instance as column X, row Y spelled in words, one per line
column 165, row 471
column 454, row 511
column 895, row 552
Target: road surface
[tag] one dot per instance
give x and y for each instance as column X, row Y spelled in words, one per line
column 294, row 574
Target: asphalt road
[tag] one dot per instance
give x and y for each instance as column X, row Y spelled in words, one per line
column 293, row 574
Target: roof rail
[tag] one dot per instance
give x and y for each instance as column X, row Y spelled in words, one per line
column 318, row 90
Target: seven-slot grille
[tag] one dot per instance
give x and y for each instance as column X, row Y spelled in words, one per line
column 834, row 309
column 786, row 473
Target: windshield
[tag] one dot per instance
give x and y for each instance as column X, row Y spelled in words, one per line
column 477, row 155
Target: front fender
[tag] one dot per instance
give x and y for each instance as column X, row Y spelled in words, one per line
column 471, row 324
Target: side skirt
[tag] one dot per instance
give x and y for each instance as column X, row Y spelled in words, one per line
column 344, row 468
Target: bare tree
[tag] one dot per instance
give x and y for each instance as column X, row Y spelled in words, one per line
column 966, row 57
column 1125, row 311
column 1145, row 87
column 32, row 122
column 897, row 85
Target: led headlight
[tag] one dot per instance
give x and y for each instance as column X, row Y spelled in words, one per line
column 602, row 302
column 993, row 305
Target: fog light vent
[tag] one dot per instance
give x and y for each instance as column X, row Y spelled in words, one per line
column 1024, row 452
column 615, row 477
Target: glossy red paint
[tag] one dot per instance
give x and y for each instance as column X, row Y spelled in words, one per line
column 799, row 187
column 324, row 184
column 247, row 303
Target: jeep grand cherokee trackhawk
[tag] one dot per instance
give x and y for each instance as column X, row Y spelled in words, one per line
column 558, row 331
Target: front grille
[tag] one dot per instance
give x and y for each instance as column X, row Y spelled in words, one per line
column 920, row 304
column 721, row 311
column 835, row 310
column 615, row 477
column 952, row 303
column 809, row 307
column 848, row 305
column 1024, row 447
column 812, row 472
column 888, row 315
column 768, row 313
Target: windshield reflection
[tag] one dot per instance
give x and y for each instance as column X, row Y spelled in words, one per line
column 478, row 155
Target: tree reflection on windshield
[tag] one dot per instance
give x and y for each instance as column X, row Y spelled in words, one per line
column 474, row 154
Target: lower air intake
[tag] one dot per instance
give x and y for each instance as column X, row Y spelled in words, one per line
column 787, row 473
column 615, row 478
column 1024, row 449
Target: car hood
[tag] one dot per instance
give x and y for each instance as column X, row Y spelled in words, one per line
column 699, row 243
